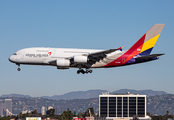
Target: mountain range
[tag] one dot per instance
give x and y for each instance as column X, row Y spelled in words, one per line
column 14, row 95
column 90, row 94
column 158, row 104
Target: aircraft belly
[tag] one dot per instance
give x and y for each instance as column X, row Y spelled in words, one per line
column 97, row 65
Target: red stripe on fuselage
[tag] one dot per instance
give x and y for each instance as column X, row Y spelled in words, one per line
column 133, row 51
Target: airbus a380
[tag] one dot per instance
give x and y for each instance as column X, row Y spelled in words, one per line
column 85, row 59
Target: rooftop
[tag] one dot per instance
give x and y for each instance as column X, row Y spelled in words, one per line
column 127, row 93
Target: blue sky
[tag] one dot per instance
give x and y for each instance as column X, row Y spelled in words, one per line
column 88, row 24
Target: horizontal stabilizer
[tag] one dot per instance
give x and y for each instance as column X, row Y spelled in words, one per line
column 150, row 56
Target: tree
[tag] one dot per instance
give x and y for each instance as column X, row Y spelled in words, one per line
column 67, row 115
column 89, row 111
column 92, row 110
column 74, row 115
column 86, row 114
column 167, row 114
column 149, row 114
column 5, row 118
column 50, row 112
column 26, row 115
column 160, row 117
column 16, row 117
column 34, row 112
column 80, row 115
column 20, row 115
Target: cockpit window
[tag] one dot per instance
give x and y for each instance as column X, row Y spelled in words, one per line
column 14, row 54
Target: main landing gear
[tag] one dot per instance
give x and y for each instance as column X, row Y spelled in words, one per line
column 18, row 67
column 83, row 71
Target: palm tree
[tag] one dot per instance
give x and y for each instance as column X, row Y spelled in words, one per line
column 20, row 115
column 167, row 113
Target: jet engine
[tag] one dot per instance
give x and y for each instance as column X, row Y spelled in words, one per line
column 80, row 59
column 62, row 62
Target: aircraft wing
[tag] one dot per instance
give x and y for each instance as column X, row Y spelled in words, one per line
column 97, row 56
column 103, row 52
column 92, row 58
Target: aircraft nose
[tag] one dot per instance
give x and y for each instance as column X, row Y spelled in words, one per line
column 11, row 59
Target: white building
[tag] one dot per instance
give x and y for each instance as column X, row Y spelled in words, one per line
column 43, row 110
column 123, row 106
column 8, row 113
column 8, row 105
column 50, row 107
column 26, row 111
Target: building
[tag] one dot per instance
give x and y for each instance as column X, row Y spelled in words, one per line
column 8, row 105
column 122, row 106
column 43, row 110
column 1, row 107
column 26, row 111
column 50, row 107
column 8, row 113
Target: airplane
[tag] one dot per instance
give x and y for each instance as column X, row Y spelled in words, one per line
column 86, row 59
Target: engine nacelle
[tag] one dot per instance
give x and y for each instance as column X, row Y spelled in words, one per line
column 62, row 62
column 80, row 59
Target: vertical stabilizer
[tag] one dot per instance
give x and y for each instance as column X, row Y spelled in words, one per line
column 146, row 43
column 152, row 36
column 142, row 47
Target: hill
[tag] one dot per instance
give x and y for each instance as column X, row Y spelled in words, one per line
column 141, row 92
column 90, row 94
column 77, row 95
column 158, row 104
column 15, row 95
column 95, row 93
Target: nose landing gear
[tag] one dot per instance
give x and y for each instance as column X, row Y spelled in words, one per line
column 18, row 67
column 83, row 71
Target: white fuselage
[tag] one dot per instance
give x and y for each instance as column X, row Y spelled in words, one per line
column 43, row 56
column 64, row 58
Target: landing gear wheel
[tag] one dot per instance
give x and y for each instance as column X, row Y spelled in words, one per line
column 87, row 71
column 82, row 71
column 90, row 71
column 19, row 69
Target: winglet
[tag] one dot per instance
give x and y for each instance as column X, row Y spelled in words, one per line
column 120, row 48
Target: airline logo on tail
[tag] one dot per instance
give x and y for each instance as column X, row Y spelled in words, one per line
column 142, row 47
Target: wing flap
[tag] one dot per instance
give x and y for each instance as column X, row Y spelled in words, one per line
column 96, row 57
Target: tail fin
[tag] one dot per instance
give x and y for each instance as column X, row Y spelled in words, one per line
column 151, row 38
column 142, row 47
column 146, row 43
